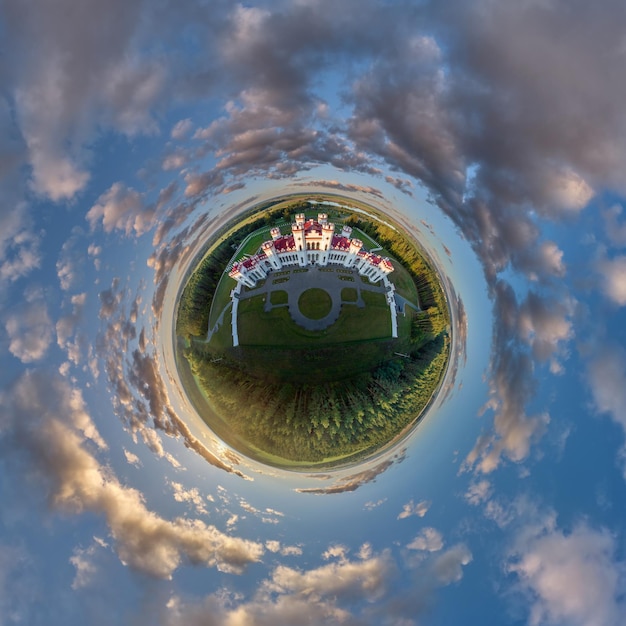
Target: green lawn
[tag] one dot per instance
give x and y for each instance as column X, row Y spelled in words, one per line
column 279, row 297
column 276, row 328
column 349, row 294
column 368, row 242
column 253, row 242
column 315, row 304
column 221, row 297
column 405, row 286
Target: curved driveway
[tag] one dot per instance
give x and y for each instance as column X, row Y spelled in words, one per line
column 299, row 280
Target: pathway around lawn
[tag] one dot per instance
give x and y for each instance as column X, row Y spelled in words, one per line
column 298, row 281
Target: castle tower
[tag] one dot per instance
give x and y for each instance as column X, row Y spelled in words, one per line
column 386, row 266
column 328, row 230
column 322, row 218
column 240, row 274
column 346, row 231
column 272, row 257
column 255, row 268
column 275, row 233
column 298, row 239
column 351, row 257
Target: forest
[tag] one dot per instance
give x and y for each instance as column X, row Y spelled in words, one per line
column 310, row 423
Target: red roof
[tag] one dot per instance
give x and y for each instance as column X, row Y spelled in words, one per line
column 285, row 243
column 340, row 243
column 313, row 226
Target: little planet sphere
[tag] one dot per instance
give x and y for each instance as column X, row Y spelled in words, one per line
column 309, row 339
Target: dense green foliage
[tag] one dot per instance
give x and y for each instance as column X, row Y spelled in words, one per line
column 310, row 422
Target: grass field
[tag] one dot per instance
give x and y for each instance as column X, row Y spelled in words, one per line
column 279, row 297
column 315, row 304
column 349, row 294
column 221, row 297
column 404, row 284
column 368, row 242
column 276, row 328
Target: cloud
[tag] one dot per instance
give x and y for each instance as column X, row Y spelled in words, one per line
column 607, row 381
column 69, row 262
column 191, row 496
column 29, row 328
column 123, row 209
column 79, row 71
column 448, row 566
column 349, row 187
column 18, row 585
column 428, row 539
column 84, row 561
column 285, row 610
column 181, row 129
column 353, row 482
column 362, row 591
column 49, row 425
column 420, row 509
column 478, row 492
column 613, row 273
column 365, row 578
column 607, row 378
column 569, row 577
column 141, row 399
column 545, row 324
column 542, row 324
column 20, row 245
column 275, row 546
column 132, row 458
column 614, row 226
column 291, row 596
column 66, row 329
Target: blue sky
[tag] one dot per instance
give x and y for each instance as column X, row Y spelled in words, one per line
column 130, row 130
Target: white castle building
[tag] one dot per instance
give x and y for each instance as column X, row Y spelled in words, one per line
column 310, row 242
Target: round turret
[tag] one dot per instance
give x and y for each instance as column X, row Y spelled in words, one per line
column 355, row 246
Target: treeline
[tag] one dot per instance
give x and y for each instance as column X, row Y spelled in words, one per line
column 195, row 302
column 313, row 422
column 435, row 316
